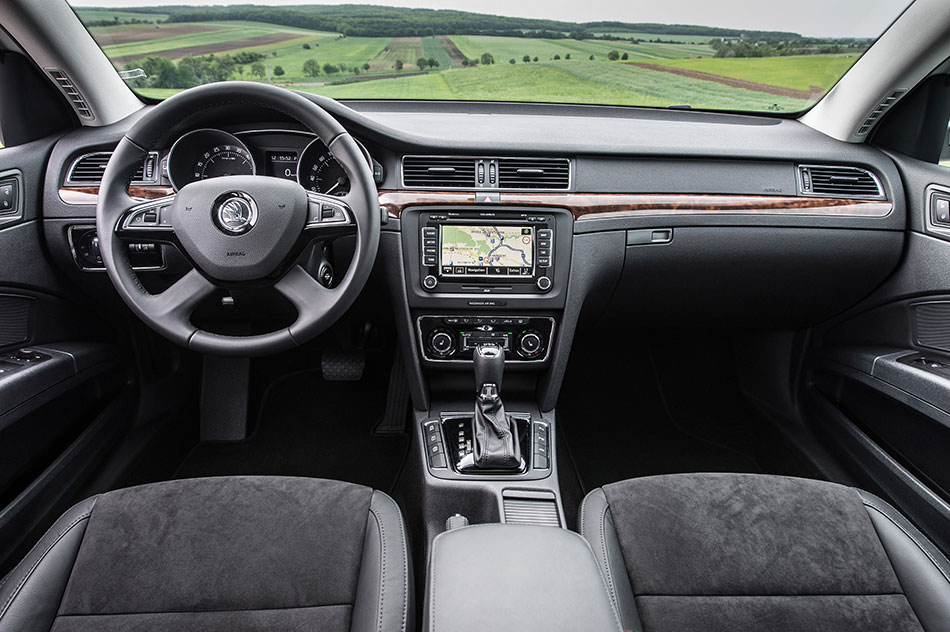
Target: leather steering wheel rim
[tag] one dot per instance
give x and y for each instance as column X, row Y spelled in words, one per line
column 169, row 313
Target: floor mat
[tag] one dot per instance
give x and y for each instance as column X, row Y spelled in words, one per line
column 310, row 427
column 620, row 419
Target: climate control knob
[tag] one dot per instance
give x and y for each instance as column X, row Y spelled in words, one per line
column 530, row 344
column 441, row 344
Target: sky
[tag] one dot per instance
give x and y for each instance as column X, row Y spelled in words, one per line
column 815, row 18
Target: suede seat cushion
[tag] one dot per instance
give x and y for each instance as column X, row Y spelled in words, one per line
column 727, row 552
column 242, row 553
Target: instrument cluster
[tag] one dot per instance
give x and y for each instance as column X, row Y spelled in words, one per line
column 293, row 155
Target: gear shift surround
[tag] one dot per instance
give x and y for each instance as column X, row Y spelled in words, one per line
column 496, row 445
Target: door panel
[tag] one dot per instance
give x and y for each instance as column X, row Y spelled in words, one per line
column 877, row 388
column 61, row 376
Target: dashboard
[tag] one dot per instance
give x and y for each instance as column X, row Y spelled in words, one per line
column 523, row 223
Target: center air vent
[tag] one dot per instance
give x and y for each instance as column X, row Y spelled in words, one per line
column 88, row 169
column 438, row 172
column 850, row 182
column 534, row 173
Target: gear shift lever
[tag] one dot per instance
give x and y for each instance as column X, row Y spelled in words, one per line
column 496, row 438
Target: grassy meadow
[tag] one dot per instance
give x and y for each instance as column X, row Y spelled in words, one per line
column 680, row 71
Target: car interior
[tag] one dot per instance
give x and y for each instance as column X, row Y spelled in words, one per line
column 706, row 386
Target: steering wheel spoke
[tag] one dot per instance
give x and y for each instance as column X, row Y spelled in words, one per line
column 328, row 216
column 178, row 301
column 149, row 220
column 303, row 291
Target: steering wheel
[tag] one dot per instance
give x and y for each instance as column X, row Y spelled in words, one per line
column 237, row 230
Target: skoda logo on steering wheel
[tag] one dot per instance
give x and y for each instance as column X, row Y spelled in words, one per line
column 235, row 213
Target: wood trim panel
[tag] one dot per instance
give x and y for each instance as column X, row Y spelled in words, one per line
column 90, row 194
column 586, row 206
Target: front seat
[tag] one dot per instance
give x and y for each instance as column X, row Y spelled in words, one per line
column 744, row 553
column 230, row 554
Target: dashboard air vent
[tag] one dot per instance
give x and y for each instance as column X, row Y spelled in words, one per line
column 849, row 182
column 88, row 169
column 438, row 172
column 878, row 112
column 72, row 92
column 534, row 173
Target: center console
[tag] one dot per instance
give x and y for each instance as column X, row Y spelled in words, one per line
column 515, row 577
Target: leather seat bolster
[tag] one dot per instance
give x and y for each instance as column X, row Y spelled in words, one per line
column 31, row 594
column 384, row 594
column 597, row 527
column 923, row 572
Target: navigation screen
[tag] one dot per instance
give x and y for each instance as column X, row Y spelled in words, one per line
column 487, row 250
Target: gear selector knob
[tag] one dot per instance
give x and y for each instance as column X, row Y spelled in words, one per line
column 489, row 366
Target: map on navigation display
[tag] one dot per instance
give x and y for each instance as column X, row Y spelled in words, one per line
column 498, row 247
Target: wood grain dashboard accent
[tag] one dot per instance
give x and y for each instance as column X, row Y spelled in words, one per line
column 90, row 194
column 586, row 206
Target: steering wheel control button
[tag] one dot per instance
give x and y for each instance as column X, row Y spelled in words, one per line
column 544, row 283
column 235, row 213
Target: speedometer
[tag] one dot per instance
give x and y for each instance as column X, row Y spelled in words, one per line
column 320, row 172
column 224, row 160
column 208, row 153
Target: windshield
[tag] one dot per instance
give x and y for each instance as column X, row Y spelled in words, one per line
column 707, row 54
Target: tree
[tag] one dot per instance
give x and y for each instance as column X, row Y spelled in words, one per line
column 511, row 61
column 306, row 46
column 625, row 57
column 526, row 58
column 330, row 69
column 278, row 71
column 366, row 66
column 433, row 62
column 557, row 57
column 613, row 55
column 568, row 56
column 398, row 64
column 423, row 63
column 258, row 69
column 311, row 68
column 465, row 62
column 487, row 59
column 535, row 59
column 240, row 70
column 591, row 58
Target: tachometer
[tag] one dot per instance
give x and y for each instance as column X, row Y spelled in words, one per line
column 208, row 153
column 320, row 172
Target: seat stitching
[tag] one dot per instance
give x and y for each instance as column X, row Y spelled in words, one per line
column 603, row 583
column 382, row 570
column 923, row 550
column 603, row 545
column 227, row 611
column 29, row 573
column 432, row 586
column 583, row 509
column 405, row 570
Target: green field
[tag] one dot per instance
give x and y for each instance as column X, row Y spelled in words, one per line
column 683, row 39
column 95, row 15
column 798, row 72
column 505, row 48
column 565, row 82
column 578, row 80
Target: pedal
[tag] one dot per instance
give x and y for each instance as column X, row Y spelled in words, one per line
column 343, row 365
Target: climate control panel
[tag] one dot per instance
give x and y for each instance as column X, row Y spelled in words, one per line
column 454, row 338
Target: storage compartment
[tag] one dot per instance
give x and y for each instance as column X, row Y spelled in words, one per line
column 515, row 577
column 750, row 276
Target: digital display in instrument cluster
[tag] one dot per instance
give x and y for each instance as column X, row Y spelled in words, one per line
column 282, row 164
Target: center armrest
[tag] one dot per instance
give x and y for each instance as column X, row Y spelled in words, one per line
column 515, row 577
